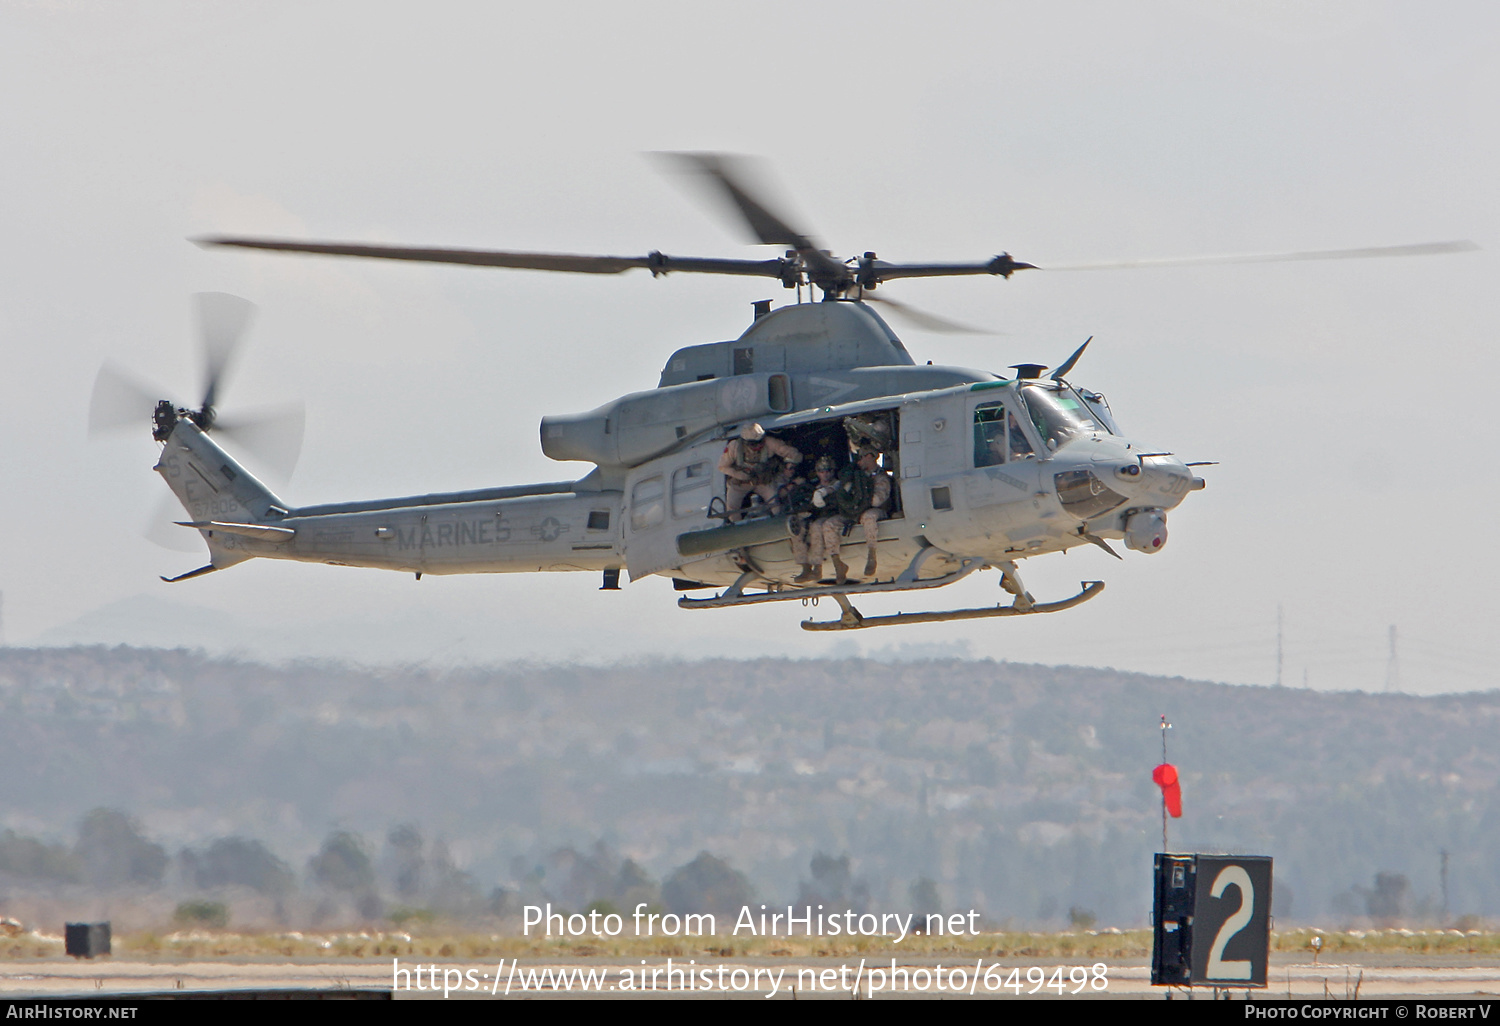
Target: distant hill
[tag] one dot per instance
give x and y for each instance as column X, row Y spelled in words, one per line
column 1021, row 790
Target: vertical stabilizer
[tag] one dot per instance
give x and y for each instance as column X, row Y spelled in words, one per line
column 212, row 487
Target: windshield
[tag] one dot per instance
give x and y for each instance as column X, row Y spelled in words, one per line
column 1059, row 415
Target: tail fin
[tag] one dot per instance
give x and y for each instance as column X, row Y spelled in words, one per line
column 212, row 487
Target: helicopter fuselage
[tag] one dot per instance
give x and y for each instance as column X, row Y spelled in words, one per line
column 985, row 471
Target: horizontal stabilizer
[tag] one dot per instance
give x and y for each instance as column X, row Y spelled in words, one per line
column 191, row 573
column 260, row 532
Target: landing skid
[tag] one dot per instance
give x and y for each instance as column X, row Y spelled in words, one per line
column 853, row 620
column 735, row 594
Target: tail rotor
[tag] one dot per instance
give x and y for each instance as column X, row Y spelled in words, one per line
column 270, row 435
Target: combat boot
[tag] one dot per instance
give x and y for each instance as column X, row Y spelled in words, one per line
column 840, row 571
column 809, row 573
column 870, row 564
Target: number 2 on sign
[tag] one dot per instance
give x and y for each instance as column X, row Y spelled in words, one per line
column 1218, row 969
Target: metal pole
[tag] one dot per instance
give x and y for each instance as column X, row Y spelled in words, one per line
column 1444, row 854
column 1165, row 726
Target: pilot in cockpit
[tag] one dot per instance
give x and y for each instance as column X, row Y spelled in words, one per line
column 1019, row 447
column 1004, row 442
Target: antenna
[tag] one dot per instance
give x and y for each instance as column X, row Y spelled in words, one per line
column 1278, row 644
column 1392, row 669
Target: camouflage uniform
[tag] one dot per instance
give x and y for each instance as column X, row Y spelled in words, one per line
column 760, row 469
column 807, row 543
column 862, row 496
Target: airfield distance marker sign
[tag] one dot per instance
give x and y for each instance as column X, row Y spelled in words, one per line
column 1232, row 935
column 1211, row 920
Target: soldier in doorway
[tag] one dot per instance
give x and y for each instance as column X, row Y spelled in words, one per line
column 755, row 462
column 862, row 496
column 806, row 502
column 869, row 430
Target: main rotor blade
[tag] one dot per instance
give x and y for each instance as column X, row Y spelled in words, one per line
column 439, row 255
column 271, row 434
column 656, row 263
column 925, row 320
column 120, row 400
column 222, row 321
column 731, row 176
column 1368, row 252
column 1004, row 265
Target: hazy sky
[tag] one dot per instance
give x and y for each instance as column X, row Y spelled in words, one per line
column 1345, row 401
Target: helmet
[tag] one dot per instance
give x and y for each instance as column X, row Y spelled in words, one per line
column 826, row 463
column 752, row 433
column 867, row 450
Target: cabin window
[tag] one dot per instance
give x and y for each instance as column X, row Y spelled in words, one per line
column 599, row 520
column 690, row 490
column 744, row 361
column 942, row 498
column 646, row 503
column 998, row 436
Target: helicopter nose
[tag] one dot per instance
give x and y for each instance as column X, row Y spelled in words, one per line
column 1165, row 481
column 1118, row 465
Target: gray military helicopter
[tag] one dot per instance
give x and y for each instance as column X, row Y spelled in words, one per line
column 986, row 469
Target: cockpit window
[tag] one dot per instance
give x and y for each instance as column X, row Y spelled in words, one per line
column 1099, row 407
column 1059, row 415
column 998, row 437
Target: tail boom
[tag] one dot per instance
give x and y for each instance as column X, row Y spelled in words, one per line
column 522, row 529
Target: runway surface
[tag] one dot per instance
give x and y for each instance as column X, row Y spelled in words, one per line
column 1375, row 976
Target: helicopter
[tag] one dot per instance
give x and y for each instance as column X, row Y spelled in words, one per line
column 985, row 469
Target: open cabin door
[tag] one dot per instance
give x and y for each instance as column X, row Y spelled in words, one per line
column 648, row 533
column 662, row 500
